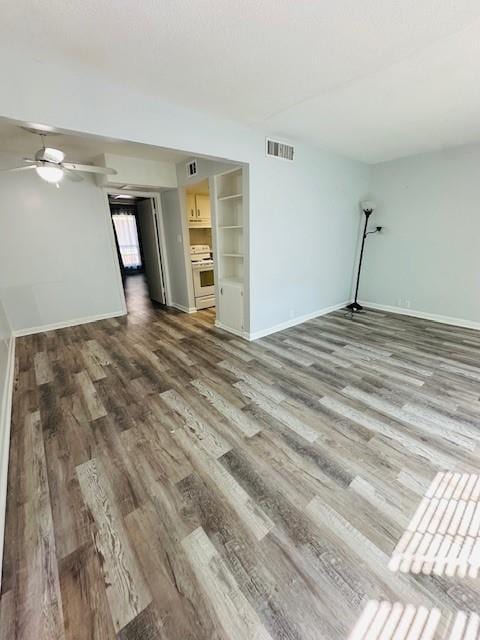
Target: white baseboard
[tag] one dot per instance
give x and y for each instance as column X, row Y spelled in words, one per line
column 5, row 425
column 294, row 321
column 180, row 307
column 456, row 322
column 236, row 332
column 68, row 323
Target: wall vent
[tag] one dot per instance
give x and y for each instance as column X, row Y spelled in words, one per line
column 192, row 168
column 277, row 149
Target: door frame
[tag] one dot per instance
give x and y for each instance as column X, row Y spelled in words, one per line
column 182, row 197
column 162, row 249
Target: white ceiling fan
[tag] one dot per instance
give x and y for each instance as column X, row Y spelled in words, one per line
column 50, row 166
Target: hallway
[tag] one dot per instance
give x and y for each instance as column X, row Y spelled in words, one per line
column 141, row 307
column 136, row 294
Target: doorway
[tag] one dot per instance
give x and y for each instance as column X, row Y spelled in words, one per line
column 200, row 239
column 136, row 233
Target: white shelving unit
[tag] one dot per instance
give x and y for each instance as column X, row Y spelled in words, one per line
column 230, row 249
column 231, row 196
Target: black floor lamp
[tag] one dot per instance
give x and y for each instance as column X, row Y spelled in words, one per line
column 368, row 208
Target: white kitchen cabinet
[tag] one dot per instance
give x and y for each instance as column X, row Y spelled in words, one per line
column 230, row 305
column 191, row 209
column 203, row 213
column 199, row 214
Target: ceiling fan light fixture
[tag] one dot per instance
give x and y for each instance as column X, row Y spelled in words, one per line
column 50, row 174
column 53, row 155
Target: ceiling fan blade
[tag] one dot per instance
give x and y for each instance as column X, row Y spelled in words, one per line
column 90, row 168
column 30, row 160
column 73, row 176
column 30, row 166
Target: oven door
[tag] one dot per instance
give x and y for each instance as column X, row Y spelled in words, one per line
column 203, row 282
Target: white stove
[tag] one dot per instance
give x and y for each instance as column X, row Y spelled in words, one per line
column 203, row 276
column 200, row 253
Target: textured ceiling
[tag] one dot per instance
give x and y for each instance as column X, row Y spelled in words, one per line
column 372, row 79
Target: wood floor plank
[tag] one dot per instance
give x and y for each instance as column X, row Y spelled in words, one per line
column 39, row 606
column 252, row 378
column 93, row 403
column 85, row 608
column 126, row 589
column 43, row 371
column 146, row 626
column 278, row 412
column 112, row 455
column 7, row 615
column 237, row 417
column 234, row 613
column 94, row 369
column 70, row 519
column 212, row 442
column 166, row 570
column 159, row 448
column 248, row 512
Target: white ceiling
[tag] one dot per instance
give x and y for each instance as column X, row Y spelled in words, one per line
column 371, row 79
column 79, row 148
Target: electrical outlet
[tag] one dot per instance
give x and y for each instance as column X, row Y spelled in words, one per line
column 399, row 302
column 292, row 313
column 407, row 304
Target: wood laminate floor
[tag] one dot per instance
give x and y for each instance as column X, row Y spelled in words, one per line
column 170, row 481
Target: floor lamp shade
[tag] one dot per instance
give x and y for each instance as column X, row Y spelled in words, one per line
column 368, row 205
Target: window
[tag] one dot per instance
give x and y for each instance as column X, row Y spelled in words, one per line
column 127, row 236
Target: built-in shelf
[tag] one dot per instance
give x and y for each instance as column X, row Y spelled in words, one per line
column 230, row 242
column 231, row 196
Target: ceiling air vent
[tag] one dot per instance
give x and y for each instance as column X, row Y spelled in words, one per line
column 277, row 149
column 192, row 168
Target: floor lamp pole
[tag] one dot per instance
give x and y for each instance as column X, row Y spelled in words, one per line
column 355, row 306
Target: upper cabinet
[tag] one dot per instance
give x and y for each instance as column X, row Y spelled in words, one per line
column 199, row 214
column 191, row 208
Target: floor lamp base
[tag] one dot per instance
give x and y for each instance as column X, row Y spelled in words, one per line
column 355, row 306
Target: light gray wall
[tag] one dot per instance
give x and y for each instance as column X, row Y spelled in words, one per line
column 172, row 227
column 428, row 257
column 303, row 216
column 5, row 336
column 56, row 258
column 6, row 383
column 304, row 230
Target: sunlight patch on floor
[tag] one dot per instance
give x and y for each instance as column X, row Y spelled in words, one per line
column 383, row 620
column 466, row 626
column 443, row 537
column 386, row 621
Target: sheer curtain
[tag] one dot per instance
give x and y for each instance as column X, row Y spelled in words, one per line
column 127, row 236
